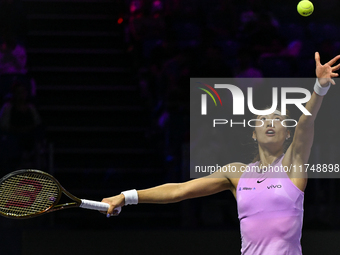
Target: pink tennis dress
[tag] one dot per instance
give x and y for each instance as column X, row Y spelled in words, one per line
column 270, row 211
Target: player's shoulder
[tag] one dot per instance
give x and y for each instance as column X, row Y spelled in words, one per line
column 233, row 173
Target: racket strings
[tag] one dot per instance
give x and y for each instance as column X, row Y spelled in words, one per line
column 27, row 194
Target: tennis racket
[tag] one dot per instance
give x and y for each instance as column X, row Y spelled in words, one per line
column 28, row 193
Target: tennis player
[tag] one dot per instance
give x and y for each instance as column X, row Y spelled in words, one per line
column 270, row 209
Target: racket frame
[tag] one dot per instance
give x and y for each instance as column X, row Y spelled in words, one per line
column 54, row 206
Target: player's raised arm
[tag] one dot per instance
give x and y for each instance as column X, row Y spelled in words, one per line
column 299, row 150
column 173, row 192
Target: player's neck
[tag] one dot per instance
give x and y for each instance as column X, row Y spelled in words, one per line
column 268, row 157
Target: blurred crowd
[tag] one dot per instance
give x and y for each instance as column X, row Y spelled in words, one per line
column 20, row 123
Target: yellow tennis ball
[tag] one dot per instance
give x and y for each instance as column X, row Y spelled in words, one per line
column 305, row 8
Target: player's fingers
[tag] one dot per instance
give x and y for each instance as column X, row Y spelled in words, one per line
column 326, row 81
column 335, row 68
column 113, row 211
column 333, row 75
column 109, row 211
column 117, row 211
column 333, row 61
column 115, row 204
column 317, row 58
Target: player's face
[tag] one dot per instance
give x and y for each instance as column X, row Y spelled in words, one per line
column 269, row 129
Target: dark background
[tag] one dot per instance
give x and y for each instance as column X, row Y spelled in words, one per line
column 112, row 82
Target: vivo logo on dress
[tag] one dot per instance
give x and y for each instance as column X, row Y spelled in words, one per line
column 274, row 187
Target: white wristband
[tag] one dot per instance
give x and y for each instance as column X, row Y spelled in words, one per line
column 321, row 91
column 131, row 197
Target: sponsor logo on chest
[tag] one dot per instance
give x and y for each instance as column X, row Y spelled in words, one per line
column 274, row 186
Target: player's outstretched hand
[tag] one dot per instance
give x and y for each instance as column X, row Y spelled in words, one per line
column 326, row 72
column 115, row 202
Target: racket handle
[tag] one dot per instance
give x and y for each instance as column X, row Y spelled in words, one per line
column 94, row 205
